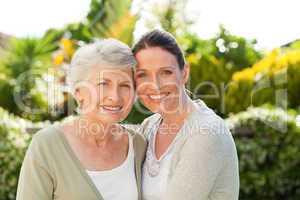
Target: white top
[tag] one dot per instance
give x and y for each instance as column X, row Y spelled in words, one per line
column 120, row 182
column 156, row 171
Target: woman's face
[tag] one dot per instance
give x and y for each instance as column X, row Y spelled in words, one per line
column 159, row 80
column 108, row 95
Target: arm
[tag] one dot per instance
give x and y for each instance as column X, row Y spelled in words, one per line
column 35, row 182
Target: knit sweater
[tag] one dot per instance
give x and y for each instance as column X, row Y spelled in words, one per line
column 51, row 169
column 205, row 163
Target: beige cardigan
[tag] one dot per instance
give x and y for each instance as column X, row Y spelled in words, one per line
column 205, row 162
column 51, row 170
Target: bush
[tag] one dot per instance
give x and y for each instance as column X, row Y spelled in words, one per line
column 268, row 145
column 13, row 144
column 275, row 80
column 212, row 63
column 23, row 69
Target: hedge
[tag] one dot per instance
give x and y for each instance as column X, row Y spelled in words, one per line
column 14, row 140
column 275, row 80
column 268, row 145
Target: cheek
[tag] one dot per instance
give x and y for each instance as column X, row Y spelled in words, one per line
column 170, row 83
column 139, row 83
column 90, row 95
column 142, row 86
column 127, row 95
column 99, row 96
column 175, row 78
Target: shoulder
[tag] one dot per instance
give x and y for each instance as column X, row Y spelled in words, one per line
column 47, row 134
column 207, row 131
column 139, row 144
column 44, row 140
column 148, row 124
column 139, row 140
column 42, row 148
column 152, row 119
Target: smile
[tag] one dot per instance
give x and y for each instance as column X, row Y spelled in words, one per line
column 158, row 97
column 112, row 108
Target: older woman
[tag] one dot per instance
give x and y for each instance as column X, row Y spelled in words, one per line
column 191, row 154
column 91, row 157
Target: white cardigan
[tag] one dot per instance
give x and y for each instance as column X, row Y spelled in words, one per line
column 205, row 163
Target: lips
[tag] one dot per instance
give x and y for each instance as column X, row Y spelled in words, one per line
column 157, row 97
column 112, row 109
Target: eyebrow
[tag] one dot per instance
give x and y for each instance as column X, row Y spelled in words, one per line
column 103, row 79
column 125, row 82
column 166, row 67
column 122, row 82
column 140, row 70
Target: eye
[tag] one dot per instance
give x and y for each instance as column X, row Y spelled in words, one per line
column 102, row 83
column 140, row 75
column 167, row 72
column 125, row 86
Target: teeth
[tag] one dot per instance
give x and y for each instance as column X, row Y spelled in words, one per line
column 157, row 97
column 112, row 108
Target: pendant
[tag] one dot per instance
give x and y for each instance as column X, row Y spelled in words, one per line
column 153, row 168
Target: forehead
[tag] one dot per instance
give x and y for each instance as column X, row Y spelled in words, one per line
column 111, row 73
column 155, row 58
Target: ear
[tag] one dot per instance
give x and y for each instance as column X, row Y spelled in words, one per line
column 77, row 95
column 186, row 73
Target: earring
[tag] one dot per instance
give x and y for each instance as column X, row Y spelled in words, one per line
column 81, row 103
column 80, row 106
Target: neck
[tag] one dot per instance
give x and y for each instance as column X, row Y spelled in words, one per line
column 185, row 106
column 95, row 131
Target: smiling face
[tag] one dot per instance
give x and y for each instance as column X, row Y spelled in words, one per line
column 108, row 95
column 159, row 80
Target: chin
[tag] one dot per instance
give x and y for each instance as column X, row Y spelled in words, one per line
column 106, row 118
column 167, row 106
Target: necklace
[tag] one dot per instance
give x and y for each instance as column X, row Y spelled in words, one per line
column 153, row 165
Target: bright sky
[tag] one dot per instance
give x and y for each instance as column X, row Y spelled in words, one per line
column 271, row 22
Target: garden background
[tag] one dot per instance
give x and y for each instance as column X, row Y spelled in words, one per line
column 256, row 91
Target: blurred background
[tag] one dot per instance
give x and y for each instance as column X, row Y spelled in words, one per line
column 244, row 58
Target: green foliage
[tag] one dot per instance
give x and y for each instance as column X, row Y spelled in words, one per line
column 213, row 62
column 170, row 15
column 75, row 31
column 293, row 85
column 106, row 18
column 234, row 50
column 13, row 144
column 274, row 80
column 138, row 113
column 21, row 79
column 26, row 54
column 268, row 145
column 111, row 18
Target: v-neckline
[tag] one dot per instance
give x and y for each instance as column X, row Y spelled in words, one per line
column 153, row 142
column 178, row 135
column 77, row 162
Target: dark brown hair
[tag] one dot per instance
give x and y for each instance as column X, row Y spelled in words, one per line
column 162, row 39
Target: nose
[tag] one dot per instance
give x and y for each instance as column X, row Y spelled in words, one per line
column 114, row 95
column 154, row 82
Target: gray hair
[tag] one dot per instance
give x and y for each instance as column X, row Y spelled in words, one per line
column 107, row 52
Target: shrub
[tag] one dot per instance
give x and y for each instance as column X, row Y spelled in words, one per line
column 268, row 145
column 275, row 80
column 23, row 69
column 13, row 144
column 212, row 63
